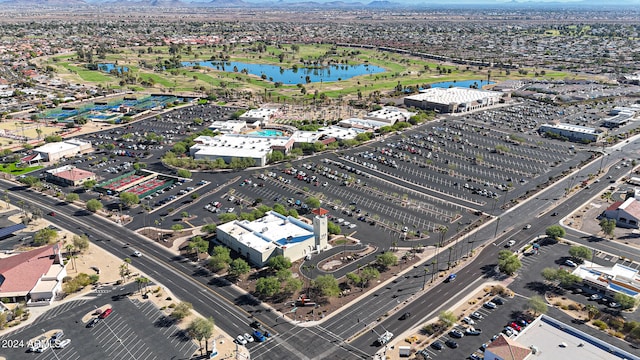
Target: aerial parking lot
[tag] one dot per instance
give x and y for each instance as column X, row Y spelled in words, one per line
column 132, row 330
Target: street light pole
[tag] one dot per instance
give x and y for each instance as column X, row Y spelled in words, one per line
column 497, row 224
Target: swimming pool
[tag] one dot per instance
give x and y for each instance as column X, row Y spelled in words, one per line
column 267, row 132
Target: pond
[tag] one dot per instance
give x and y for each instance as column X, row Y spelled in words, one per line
column 462, row 83
column 292, row 76
column 108, row 67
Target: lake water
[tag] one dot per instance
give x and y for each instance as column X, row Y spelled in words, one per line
column 108, row 67
column 275, row 73
column 463, row 84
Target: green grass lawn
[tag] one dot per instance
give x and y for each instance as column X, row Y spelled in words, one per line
column 14, row 170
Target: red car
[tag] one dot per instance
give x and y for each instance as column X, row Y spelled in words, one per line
column 52, row 214
column 105, row 313
column 516, row 326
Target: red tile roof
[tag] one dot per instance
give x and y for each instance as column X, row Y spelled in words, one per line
column 75, row 174
column 21, row 272
column 614, row 206
column 508, row 349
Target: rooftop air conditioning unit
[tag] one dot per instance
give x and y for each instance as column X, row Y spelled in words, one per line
column 534, row 349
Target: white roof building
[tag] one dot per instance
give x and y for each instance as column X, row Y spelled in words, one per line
column 572, row 132
column 364, row 124
column 229, row 146
column 228, row 127
column 611, row 279
column 389, row 115
column 271, row 235
column 340, row 133
column 263, row 115
column 453, row 100
column 56, row 150
column 550, row 339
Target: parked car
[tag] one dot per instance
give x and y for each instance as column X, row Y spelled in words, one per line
column 93, row 322
column 476, row 315
column 456, row 334
column 452, row 344
column 516, row 326
column 105, row 314
column 595, row 297
column 475, row 357
column 57, row 336
column 490, row 305
column 424, row 354
column 473, row 331
column 437, row 345
column 570, row 263
column 498, row 301
column 241, row 340
column 468, row 320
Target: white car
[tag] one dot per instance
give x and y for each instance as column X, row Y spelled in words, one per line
column 468, row 320
column 248, row 337
column 137, row 253
column 240, row 340
column 61, row 344
column 510, row 243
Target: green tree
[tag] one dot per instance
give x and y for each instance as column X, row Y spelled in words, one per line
column 71, row 197
column 537, row 304
column 267, row 286
column 239, row 267
column 89, row 184
column 45, row 236
column 293, row 285
column 555, row 232
column 198, row 244
column 279, row 262
column 312, row 202
column 608, row 226
column 386, row 259
column 227, row 217
column 284, row 274
column 94, row 205
column 367, row 274
column 580, row 252
column 128, row 198
column 448, row 318
column 508, row 262
column 184, row 173
column 333, row 228
column 327, row 285
column 182, row 310
column 201, row 329
column 209, row 228
column 177, row 227
column 625, row 301
column 592, row 311
column 81, row 243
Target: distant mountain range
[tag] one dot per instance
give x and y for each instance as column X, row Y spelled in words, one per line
column 330, row 3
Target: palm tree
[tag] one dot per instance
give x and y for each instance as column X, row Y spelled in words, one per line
column 142, row 282
column 592, row 311
column 72, row 256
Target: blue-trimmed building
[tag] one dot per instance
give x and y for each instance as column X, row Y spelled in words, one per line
column 272, row 235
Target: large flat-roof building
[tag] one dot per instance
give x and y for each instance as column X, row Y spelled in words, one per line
column 230, row 146
column 228, row 127
column 259, row 117
column 572, row 132
column 272, row 235
column 55, row 151
column 550, row 339
column 610, row 279
column 453, row 100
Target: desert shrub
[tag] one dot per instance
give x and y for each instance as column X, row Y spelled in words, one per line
column 172, row 305
column 573, row 307
column 599, row 324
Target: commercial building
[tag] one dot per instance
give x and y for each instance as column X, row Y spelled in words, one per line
column 550, row 339
column 275, row 234
column 610, row 279
column 55, row 151
column 362, row 124
column 69, row 175
column 259, row 117
column 230, row 146
column 228, row 127
column 34, row 276
column 625, row 213
column 389, row 115
column 572, row 132
column 453, row 100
